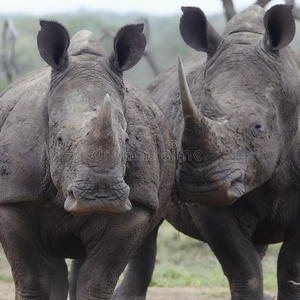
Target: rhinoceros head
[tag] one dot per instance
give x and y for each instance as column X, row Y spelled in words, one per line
column 87, row 117
column 242, row 115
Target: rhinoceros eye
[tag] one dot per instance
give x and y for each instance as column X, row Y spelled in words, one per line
column 126, row 137
column 60, row 140
column 258, row 127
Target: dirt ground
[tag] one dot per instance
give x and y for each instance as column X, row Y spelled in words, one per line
column 154, row 293
column 181, row 293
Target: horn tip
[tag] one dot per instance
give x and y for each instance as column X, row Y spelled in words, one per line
column 180, row 66
column 106, row 98
column 179, row 60
column 107, row 102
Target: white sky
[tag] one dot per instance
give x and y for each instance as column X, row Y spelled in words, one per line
column 153, row 7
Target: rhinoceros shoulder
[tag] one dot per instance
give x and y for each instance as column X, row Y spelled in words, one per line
column 23, row 89
column 22, row 138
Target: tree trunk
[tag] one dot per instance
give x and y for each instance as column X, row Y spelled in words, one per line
column 229, row 9
column 262, row 3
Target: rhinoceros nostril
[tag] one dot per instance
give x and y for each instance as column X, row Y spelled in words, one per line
column 236, row 190
column 70, row 191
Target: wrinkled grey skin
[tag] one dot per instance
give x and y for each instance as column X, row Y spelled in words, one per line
column 82, row 168
column 243, row 117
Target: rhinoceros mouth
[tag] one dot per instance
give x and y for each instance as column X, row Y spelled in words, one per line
column 85, row 202
column 221, row 193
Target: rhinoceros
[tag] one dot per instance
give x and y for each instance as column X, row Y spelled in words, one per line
column 83, row 172
column 236, row 115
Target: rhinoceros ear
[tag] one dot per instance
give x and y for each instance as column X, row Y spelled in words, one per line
column 53, row 42
column 197, row 32
column 129, row 47
column 280, row 27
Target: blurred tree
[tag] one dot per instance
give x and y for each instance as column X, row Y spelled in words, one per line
column 230, row 11
column 7, row 52
column 147, row 54
column 296, row 10
column 262, row 3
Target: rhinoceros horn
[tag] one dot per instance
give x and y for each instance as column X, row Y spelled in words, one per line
column 190, row 111
column 195, row 122
column 104, row 131
column 200, row 132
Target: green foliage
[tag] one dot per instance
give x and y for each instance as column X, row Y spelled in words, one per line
column 181, row 261
column 164, row 40
column 5, row 274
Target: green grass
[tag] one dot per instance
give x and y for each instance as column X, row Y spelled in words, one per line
column 5, row 277
column 183, row 261
column 5, row 274
column 269, row 264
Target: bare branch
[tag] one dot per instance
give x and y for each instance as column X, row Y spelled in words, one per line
column 9, row 37
column 296, row 10
column 106, row 33
column 150, row 60
column 147, row 54
column 290, row 2
column 3, row 57
column 262, row 3
column 229, row 9
column 13, row 39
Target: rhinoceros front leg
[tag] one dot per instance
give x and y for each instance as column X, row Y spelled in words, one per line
column 235, row 252
column 139, row 272
column 109, row 253
column 288, row 271
column 36, row 275
column 75, row 268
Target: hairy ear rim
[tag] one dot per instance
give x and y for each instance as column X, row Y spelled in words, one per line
column 53, row 42
column 129, row 47
column 280, row 27
column 197, row 32
column 188, row 23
